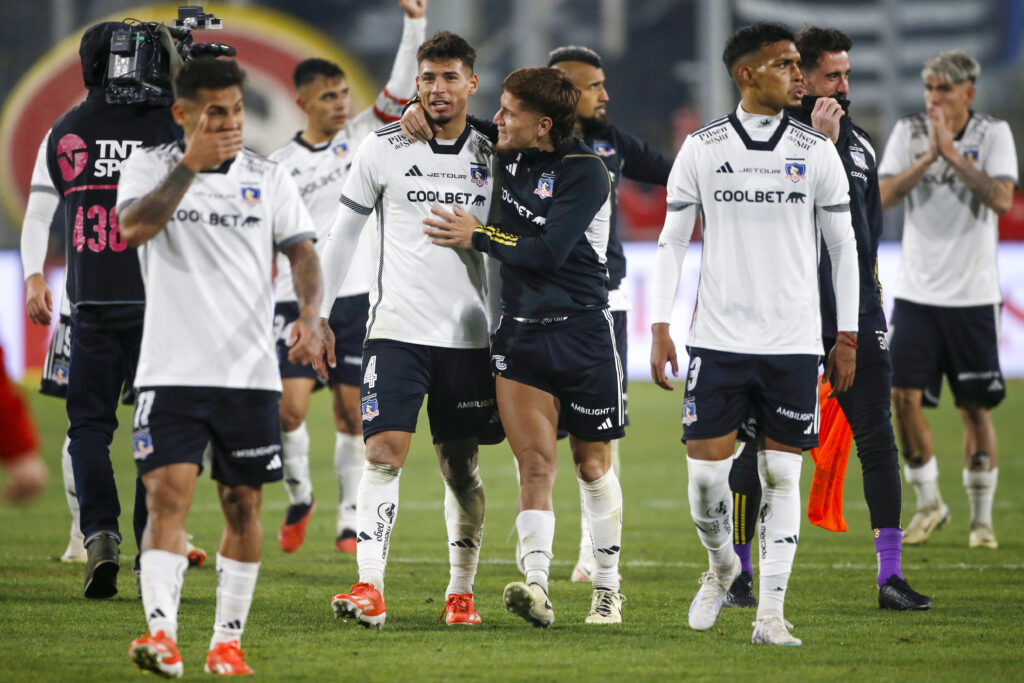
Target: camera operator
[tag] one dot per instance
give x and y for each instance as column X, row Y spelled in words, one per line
column 105, row 290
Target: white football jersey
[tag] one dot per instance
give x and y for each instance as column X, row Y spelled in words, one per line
column 422, row 293
column 319, row 172
column 949, row 236
column 209, row 301
column 757, row 192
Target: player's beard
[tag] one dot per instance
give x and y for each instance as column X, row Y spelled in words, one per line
column 592, row 124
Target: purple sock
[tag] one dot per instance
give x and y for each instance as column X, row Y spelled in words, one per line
column 888, row 544
column 744, row 552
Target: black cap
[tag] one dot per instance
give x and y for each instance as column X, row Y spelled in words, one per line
column 94, row 51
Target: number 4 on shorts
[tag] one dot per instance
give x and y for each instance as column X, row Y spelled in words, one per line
column 370, row 376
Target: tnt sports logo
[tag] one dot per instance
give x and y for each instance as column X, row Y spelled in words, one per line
column 478, row 175
column 386, row 511
column 251, row 195
column 545, row 186
column 340, row 149
column 603, row 149
column 796, row 172
column 369, row 408
column 72, row 156
column 971, row 155
column 142, row 444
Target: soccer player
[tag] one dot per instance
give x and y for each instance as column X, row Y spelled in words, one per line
column 318, row 158
column 84, row 153
column 208, row 216
column 767, row 189
column 624, row 156
column 825, row 65
column 428, row 327
column 957, row 170
column 555, row 347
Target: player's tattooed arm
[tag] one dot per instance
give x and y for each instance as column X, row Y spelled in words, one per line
column 995, row 193
column 142, row 219
column 306, row 345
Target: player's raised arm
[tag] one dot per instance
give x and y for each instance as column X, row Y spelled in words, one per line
column 401, row 83
column 35, row 234
column 673, row 242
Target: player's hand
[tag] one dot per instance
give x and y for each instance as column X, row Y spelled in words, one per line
column 415, row 124
column 304, row 341
column 451, row 229
column 38, row 300
column 414, row 9
column 327, row 350
column 26, row 479
column 206, row 149
column 663, row 350
column 941, row 136
column 825, row 117
column 840, row 367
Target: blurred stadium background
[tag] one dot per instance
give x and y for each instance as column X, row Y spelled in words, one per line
column 662, row 61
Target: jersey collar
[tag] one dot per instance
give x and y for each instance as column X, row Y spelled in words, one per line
column 312, row 148
column 450, row 149
column 765, row 146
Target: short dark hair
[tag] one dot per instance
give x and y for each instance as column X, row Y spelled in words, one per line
column 547, row 92
column 211, row 73
column 445, row 46
column 752, row 38
column 308, row 69
column 812, row 42
column 574, row 53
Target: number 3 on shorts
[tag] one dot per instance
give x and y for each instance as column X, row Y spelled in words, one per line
column 691, row 379
column 370, row 376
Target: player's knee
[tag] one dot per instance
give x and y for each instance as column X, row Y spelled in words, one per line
column 381, row 450
column 348, row 420
column 291, row 417
column 165, row 501
column 905, row 402
column 241, row 506
column 782, row 471
column 975, row 417
column 535, row 468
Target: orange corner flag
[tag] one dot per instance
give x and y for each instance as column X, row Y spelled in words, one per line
column 825, row 503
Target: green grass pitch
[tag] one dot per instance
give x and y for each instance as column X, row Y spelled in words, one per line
column 48, row 631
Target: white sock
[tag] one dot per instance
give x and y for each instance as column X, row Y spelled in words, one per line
column 295, row 457
column 236, row 582
column 377, row 504
column 464, row 519
column 981, row 489
column 69, row 493
column 586, row 545
column 778, row 526
column 161, row 575
column 925, row 480
column 536, row 529
column 349, row 460
column 604, row 509
column 711, row 508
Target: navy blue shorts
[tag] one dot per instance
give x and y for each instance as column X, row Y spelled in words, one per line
column 461, row 405
column 574, row 360
column 962, row 344
column 58, row 360
column 348, row 322
column 620, row 321
column 173, row 425
column 726, row 390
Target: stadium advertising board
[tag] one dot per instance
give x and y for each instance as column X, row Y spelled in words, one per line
column 26, row 347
